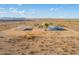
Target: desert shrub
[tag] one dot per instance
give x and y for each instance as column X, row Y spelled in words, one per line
column 51, row 24
column 1, row 37
column 40, row 26
column 43, row 25
column 11, row 41
column 31, row 52
column 1, row 48
column 15, row 40
column 46, row 25
column 7, row 53
column 29, row 36
column 36, row 25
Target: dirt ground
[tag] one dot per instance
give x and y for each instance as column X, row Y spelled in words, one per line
column 39, row 41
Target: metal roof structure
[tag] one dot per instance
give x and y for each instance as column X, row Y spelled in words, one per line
column 24, row 28
column 55, row 28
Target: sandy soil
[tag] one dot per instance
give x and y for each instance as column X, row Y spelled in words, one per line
column 39, row 42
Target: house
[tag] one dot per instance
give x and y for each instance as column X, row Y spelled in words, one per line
column 55, row 28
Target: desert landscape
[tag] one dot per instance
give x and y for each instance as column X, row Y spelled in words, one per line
column 14, row 40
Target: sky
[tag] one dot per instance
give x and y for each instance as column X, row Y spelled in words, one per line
column 40, row 10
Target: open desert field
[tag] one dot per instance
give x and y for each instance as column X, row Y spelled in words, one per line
column 39, row 41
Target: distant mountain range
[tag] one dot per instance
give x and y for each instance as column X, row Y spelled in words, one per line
column 12, row 18
column 30, row 19
column 20, row 19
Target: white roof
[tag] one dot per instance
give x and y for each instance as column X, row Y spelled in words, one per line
column 24, row 28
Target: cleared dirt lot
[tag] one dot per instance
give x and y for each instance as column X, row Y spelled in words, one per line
column 39, row 41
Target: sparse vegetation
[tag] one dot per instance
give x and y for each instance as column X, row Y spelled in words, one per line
column 39, row 41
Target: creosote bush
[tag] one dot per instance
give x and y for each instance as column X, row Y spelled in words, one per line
column 44, row 25
column 29, row 36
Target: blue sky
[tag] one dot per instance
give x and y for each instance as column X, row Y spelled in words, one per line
column 40, row 10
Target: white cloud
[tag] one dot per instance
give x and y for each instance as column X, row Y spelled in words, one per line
column 21, row 13
column 12, row 9
column 19, row 4
column 3, row 12
column 17, row 12
column 2, row 8
column 54, row 9
column 33, row 12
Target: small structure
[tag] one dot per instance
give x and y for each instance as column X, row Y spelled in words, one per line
column 55, row 28
column 24, row 28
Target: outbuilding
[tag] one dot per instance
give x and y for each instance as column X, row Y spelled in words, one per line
column 25, row 28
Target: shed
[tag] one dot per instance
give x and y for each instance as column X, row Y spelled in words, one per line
column 24, row 28
column 55, row 28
